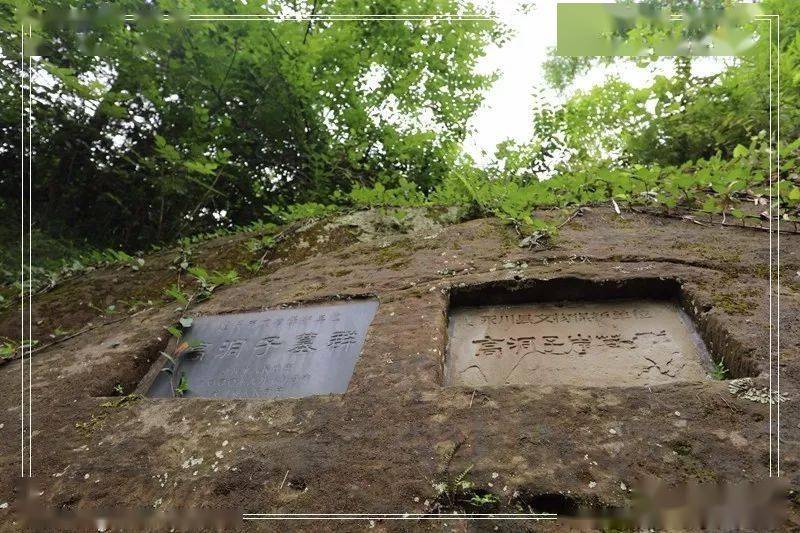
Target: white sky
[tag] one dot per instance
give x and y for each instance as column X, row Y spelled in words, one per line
column 506, row 112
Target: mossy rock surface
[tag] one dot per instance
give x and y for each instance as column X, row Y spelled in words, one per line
column 378, row 447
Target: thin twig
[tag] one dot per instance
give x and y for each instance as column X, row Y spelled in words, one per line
column 73, row 335
column 692, row 219
column 711, row 222
column 575, row 213
column 81, row 332
column 310, row 21
column 199, row 204
column 228, row 71
column 735, row 410
column 280, row 237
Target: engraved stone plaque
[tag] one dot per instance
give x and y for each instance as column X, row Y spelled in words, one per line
column 604, row 343
column 282, row 353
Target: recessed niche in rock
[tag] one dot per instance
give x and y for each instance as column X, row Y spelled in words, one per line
column 593, row 343
column 282, row 353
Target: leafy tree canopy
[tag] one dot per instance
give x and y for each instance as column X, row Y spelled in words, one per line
column 146, row 130
column 677, row 119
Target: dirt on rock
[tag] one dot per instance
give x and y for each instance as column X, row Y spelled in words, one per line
column 400, row 440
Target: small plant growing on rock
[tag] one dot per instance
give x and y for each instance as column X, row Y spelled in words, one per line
column 9, row 347
column 182, row 349
column 459, row 493
column 182, row 261
column 183, row 385
column 177, row 294
column 720, row 371
column 257, row 244
column 487, row 499
column 207, row 284
column 209, row 281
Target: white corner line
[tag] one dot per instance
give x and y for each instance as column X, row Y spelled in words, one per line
column 30, row 258
column 22, row 251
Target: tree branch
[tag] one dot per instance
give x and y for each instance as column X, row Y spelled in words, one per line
column 310, row 21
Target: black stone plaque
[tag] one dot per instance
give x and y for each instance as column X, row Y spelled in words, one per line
column 282, row 353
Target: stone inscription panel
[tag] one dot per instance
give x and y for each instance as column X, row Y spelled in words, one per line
column 610, row 343
column 283, row 353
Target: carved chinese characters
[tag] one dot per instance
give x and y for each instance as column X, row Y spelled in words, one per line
column 614, row 343
column 284, row 353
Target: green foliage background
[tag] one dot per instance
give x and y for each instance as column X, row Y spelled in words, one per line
column 233, row 116
column 146, row 132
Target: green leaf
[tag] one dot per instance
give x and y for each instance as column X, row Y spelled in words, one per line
column 183, row 385
column 175, row 332
column 169, row 358
column 177, row 294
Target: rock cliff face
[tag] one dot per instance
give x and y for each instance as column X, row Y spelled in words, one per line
column 402, row 439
